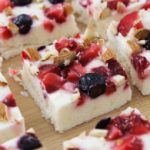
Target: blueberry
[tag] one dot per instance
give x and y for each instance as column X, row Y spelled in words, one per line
column 29, row 142
column 23, row 22
column 147, row 44
column 21, row 2
column 56, row 1
column 102, row 124
column 92, row 84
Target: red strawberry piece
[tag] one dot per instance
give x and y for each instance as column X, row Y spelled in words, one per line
column 57, row 13
column 90, row 53
column 102, row 71
column 4, row 4
column 146, row 5
column 110, row 87
column 140, row 63
column 5, row 33
column 75, row 72
column 127, row 23
column 49, row 25
column 48, row 68
column 114, row 133
column 62, row 43
column 52, row 82
column 9, row 101
column 112, row 4
column 24, row 55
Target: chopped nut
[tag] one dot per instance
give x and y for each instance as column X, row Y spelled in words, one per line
column 3, row 115
column 134, row 46
column 35, row 17
column 68, row 9
column 105, row 13
column 90, row 32
column 108, row 54
column 13, row 27
column 32, row 54
column 121, row 8
column 98, row 133
column 3, row 83
column 142, row 34
column 8, row 11
column 63, row 57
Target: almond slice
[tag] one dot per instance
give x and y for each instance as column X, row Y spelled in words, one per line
column 8, row 11
column 108, row 54
column 121, row 8
column 13, row 27
column 142, row 34
column 105, row 13
column 3, row 115
column 32, row 54
column 68, row 9
column 65, row 58
column 134, row 46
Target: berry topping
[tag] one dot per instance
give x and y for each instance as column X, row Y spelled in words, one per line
column 140, row 63
column 147, row 44
column 56, row 12
column 48, row 68
column 102, row 124
column 52, row 82
column 9, row 101
column 92, row 84
column 146, row 5
column 85, row 3
column 128, row 22
column 21, row 2
column 29, row 142
column 49, row 25
column 2, row 148
column 56, row 1
column 75, row 72
column 111, row 87
column 23, row 22
column 112, row 4
column 116, row 68
column 102, row 71
column 4, row 4
column 124, row 125
column 5, row 33
column 89, row 53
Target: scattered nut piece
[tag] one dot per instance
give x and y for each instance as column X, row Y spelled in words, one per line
column 3, row 115
column 68, row 9
column 121, row 8
column 13, row 27
column 108, row 54
column 3, row 81
column 8, row 11
column 63, row 57
column 142, row 34
column 98, row 133
column 35, row 17
column 32, row 54
column 105, row 13
column 134, row 46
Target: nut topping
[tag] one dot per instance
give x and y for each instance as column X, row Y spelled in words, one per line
column 121, row 8
column 108, row 54
column 3, row 115
column 105, row 13
column 134, row 46
column 8, row 11
column 142, row 34
column 68, row 9
column 13, row 27
column 65, row 58
column 32, row 54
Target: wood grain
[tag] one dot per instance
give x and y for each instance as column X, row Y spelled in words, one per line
column 51, row 139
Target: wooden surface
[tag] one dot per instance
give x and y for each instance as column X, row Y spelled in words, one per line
column 51, row 139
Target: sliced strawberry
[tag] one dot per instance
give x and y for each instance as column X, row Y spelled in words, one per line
column 4, row 4
column 5, row 33
column 75, row 72
column 57, row 13
column 49, row 25
column 48, row 68
column 90, row 53
column 146, row 5
column 52, row 82
column 127, row 23
column 62, row 43
column 112, row 4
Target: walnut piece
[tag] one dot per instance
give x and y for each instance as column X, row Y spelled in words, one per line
column 142, row 34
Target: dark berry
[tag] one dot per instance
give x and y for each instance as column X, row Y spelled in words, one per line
column 147, row 44
column 102, row 124
column 23, row 22
column 92, row 84
column 56, row 1
column 21, row 2
column 9, row 101
column 29, row 142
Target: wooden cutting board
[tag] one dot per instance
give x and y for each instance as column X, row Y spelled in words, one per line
column 33, row 118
